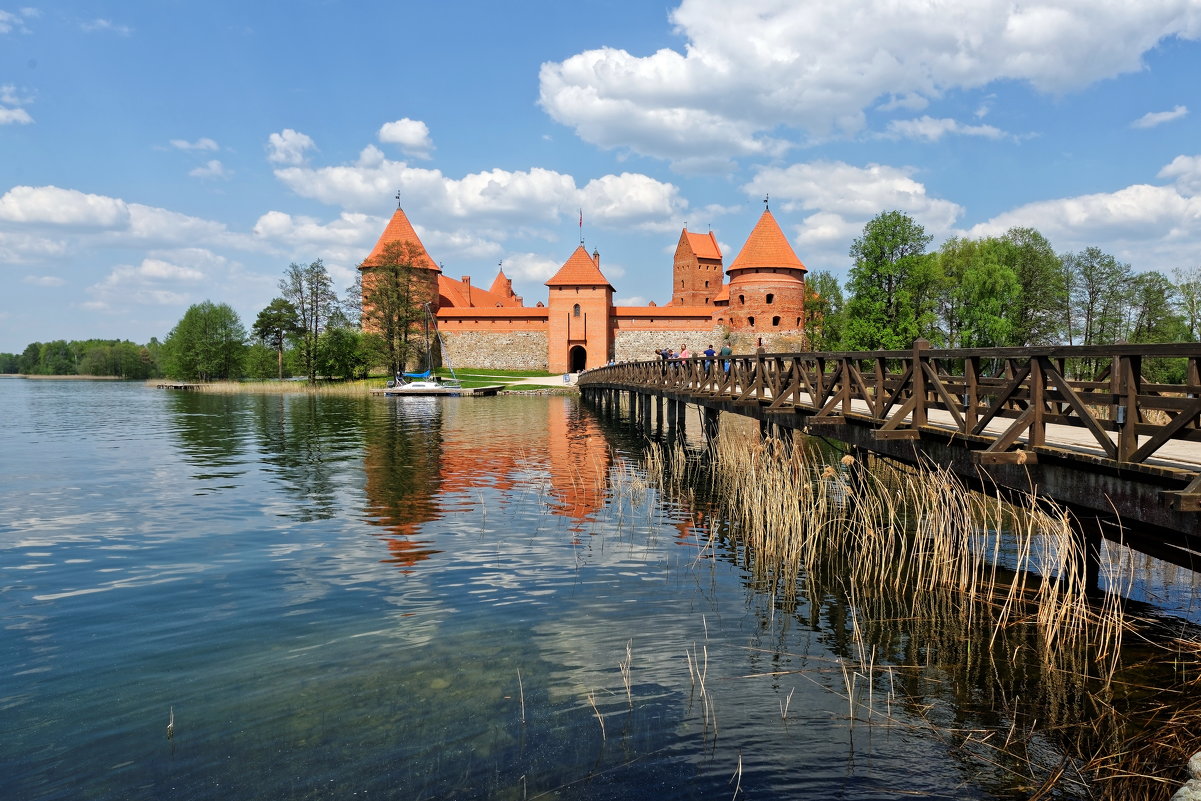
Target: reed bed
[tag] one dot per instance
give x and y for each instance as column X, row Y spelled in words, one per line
column 938, row 584
column 354, row 388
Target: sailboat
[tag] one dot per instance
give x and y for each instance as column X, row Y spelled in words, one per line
column 425, row 382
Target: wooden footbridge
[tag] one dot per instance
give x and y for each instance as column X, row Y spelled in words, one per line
column 1122, row 453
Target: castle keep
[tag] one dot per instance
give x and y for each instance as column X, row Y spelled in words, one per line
column 759, row 296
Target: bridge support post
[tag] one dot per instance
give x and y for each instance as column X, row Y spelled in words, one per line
column 676, row 411
column 711, row 426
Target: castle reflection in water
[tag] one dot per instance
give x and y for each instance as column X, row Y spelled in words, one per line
column 432, row 462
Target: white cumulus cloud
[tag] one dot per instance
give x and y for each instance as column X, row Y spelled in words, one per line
column 751, row 70
column 161, row 279
column 1145, row 224
column 51, row 205
column 10, row 21
column 929, row 129
column 11, row 101
column 14, row 116
column 1154, row 118
column 100, row 25
column 412, row 136
column 288, row 147
column 530, row 267
column 203, row 143
column 43, row 280
column 210, row 169
column 491, row 201
column 840, row 198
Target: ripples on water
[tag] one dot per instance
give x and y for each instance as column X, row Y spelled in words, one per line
column 410, row 598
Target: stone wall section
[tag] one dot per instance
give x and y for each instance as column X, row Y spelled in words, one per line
column 638, row 346
column 496, row 350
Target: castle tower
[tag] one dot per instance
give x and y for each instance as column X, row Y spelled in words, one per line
column 502, row 285
column 579, row 334
column 767, row 283
column 399, row 238
column 697, row 272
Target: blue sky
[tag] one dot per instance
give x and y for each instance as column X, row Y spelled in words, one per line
column 157, row 154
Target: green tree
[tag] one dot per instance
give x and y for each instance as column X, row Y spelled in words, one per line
column 394, row 299
column 10, row 363
column 1153, row 312
column 310, row 290
column 823, row 311
column 978, row 293
column 342, row 352
column 274, row 325
column 892, row 284
column 56, row 358
column 208, row 343
column 1188, row 288
column 1038, row 317
column 1097, row 292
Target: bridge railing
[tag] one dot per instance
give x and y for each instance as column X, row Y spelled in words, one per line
column 1006, row 396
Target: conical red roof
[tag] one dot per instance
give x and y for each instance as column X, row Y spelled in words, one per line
column 400, row 230
column 766, row 247
column 501, row 285
column 579, row 270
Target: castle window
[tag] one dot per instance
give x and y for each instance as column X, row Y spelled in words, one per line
column 770, row 297
column 706, row 285
column 775, row 321
column 742, row 299
column 706, row 301
column 575, row 310
column 798, row 322
column 750, row 321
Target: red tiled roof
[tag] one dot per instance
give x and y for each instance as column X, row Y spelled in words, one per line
column 455, row 293
column 704, row 246
column 579, row 270
column 400, row 230
column 451, row 292
column 515, row 312
column 724, row 295
column 501, row 285
column 766, row 247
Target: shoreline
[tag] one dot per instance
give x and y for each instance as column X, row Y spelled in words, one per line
column 32, row 377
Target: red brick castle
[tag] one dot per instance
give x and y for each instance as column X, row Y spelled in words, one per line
column 760, row 296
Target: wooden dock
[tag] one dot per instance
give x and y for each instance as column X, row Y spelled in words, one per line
column 181, row 387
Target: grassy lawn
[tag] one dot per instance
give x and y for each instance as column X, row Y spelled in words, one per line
column 474, row 372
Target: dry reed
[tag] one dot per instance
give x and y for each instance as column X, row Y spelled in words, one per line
column 997, row 589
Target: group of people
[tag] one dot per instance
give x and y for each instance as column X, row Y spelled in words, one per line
column 709, row 353
column 683, row 353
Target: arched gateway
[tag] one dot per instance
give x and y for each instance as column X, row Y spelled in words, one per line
column 577, row 359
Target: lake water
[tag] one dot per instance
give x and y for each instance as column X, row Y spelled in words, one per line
column 405, row 598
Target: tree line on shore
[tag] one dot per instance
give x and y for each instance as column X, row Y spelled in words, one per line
column 996, row 291
column 308, row 330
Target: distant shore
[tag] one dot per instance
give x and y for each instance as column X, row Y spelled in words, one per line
column 67, row 377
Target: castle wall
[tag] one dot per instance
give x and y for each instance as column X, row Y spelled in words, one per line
column 638, row 346
column 496, row 349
